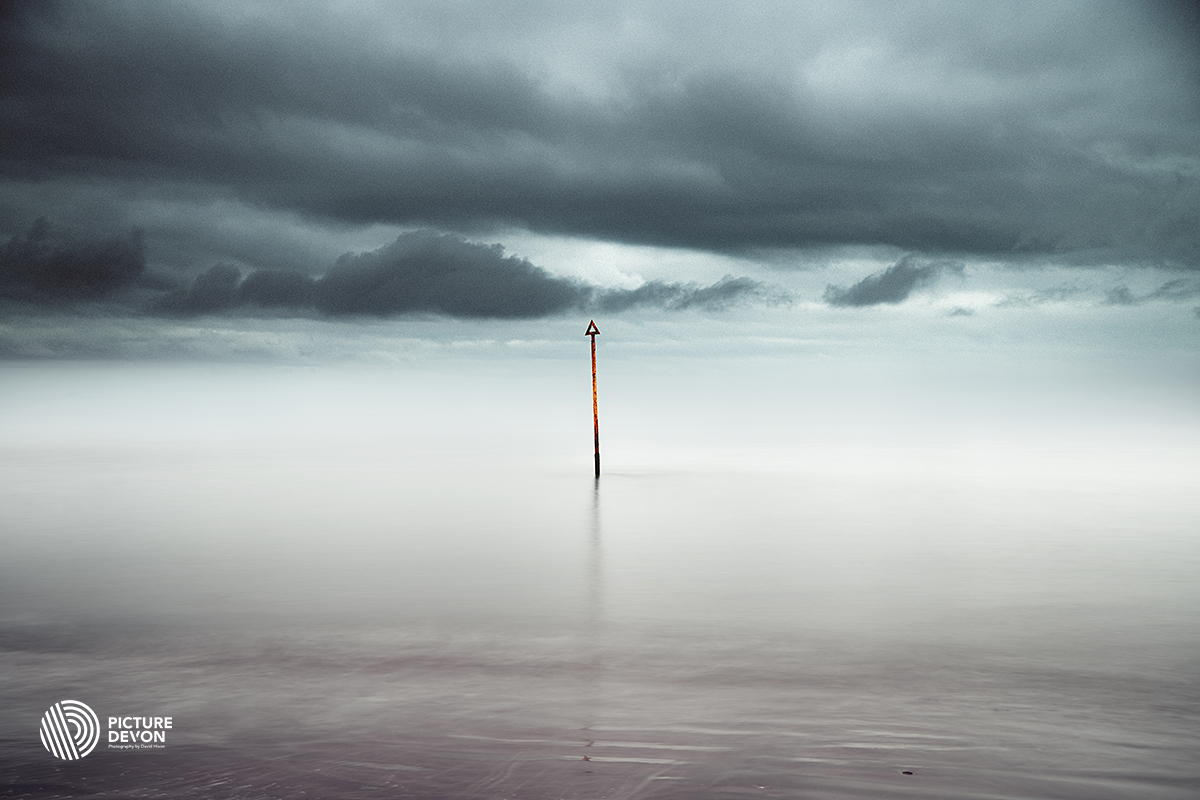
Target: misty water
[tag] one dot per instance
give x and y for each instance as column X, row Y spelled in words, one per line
column 471, row 617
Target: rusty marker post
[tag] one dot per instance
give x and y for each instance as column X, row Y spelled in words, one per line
column 592, row 330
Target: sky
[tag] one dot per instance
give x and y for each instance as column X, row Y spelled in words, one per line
column 284, row 182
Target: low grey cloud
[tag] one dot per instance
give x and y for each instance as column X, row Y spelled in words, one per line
column 213, row 291
column 676, row 296
column 428, row 272
column 892, row 285
column 1010, row 129
column 1177, row 290
column 433, row 273
column 1052, row 294
column 1120, row 296
column 44, row 266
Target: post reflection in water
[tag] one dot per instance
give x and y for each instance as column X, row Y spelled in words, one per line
column 591, row 666
column 594, row 565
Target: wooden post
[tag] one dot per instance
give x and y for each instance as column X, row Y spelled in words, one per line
column 592, row 330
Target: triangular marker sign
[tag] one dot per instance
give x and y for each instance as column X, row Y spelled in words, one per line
column 592, row 329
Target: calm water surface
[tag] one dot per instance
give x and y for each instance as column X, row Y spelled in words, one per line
column 398, row 619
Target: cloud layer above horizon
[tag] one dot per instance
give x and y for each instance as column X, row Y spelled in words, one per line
column 421, row 272
column 246, row 134
column 431, row 273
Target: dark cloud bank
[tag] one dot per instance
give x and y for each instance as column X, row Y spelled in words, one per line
column 41, row 267
column 983, row 129
column 429, row 272
column 420, row 272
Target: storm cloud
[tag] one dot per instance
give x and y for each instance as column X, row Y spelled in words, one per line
column 44, row 266
column 893, row 285
column 425, row 272
column 1014, row 128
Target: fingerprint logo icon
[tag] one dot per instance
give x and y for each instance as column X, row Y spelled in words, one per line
column 70, row 730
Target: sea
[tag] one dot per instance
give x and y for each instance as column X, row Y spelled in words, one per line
column 358, row 610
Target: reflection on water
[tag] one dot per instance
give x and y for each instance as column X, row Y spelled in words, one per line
column 379, row 623
column 595, row 570
column 591, row 663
